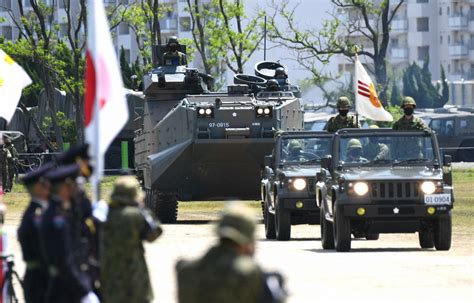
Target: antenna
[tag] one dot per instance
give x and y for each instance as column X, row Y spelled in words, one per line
column 265, row 40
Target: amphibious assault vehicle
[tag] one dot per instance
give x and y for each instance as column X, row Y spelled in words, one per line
column 194, row 144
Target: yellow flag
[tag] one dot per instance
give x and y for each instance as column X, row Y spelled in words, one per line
column 12, row 81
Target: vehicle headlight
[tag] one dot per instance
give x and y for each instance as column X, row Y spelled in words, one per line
column 266, row 111
column 260, row 111
column 428, row 187
column 208, row 111
column 299, row 184
column 361, row 188
column 202, row 111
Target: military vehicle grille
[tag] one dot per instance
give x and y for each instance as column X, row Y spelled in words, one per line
column 394, row 190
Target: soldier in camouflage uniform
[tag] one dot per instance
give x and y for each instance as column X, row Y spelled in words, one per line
column 173, row 56
column 354, row 152
column 343, row 119
column 227, row 272
column 409, row 121
column 374, row 150
column 8, row 158
column 124, row 272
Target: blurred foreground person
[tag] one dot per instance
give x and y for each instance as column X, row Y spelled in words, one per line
column 68, row 281
column 36, row 274
column 124, row 272
column 228, row 272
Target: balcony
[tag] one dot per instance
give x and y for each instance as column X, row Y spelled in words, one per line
column 399, row 53
column 458, row 50
column 458, row 22
column 399, row 25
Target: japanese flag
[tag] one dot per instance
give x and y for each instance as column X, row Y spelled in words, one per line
column 367, row 101
column 12, row 81
column 106, row 110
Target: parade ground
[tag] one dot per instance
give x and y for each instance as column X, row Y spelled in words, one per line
column 392, row 269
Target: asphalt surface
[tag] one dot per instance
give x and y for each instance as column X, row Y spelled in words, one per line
column 392, row 269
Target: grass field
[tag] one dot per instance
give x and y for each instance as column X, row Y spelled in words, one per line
column 463, row 213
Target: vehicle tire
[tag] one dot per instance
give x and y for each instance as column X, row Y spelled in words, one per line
column 269, row 221
column 282, row 222
column 166, row 208
column 327, row 235
column 426, row 238
column 342, row 231
column 372, row 236
column 442, row 234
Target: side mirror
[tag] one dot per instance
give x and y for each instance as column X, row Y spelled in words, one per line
column 267, row 161
column 447, row 160
column 326, row 162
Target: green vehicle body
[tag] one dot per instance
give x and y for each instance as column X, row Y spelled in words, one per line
column 395, row 201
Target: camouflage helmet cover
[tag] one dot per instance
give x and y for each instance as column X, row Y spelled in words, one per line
column 126, row 191
column 294, row 144
column 172, row 39
column 272, row 83
column 237, row 224
column 408, row 101
column 354, row 143
column 343, row 102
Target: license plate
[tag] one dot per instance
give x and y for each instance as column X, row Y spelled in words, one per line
column 438, row 199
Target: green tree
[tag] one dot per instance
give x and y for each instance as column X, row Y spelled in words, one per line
column 396, row 96
column 365, row 23
column 68, row 127
column 417, row 83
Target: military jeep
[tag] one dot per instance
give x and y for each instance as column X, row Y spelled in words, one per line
column 385, row 181
column 287, row 185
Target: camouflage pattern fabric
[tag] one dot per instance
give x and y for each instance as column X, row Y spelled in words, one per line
column 124, row 273
column 338, row 122
column 174, row 58
column 410, row 124
column 221, row 275
column 377, row 151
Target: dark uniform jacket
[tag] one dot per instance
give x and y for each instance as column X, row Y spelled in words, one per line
column 67, row 282
column 36, row 275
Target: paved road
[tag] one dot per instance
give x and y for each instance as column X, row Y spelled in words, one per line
column 392, row 269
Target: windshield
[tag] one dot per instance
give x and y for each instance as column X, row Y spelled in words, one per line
column 386, row 149
column 315, row 125
column 308, row 150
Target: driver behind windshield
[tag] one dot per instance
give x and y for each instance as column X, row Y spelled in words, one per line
column 354, row 152
column 294, row 151
column 374, row 150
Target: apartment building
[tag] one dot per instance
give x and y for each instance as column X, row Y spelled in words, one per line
column 441, row 30
column 176, row 22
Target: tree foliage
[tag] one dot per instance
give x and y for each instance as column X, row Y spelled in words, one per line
column 418, row 84
column 363, row 23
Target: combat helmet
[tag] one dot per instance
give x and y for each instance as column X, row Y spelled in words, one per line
column 280, row 73
column 294, row 144
column 354, row 143
column 343, row 102
column 237, row 224
column 273, row 85
column 408, row 101
column 172, row 39
column 126, row 191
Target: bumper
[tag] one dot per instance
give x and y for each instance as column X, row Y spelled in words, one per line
column 408, row 211
column 308, row 204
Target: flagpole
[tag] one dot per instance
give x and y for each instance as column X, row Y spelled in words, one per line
column 356, row 50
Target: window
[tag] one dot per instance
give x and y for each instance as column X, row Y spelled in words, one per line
column 449, row 68
column 449, row 39
column 423, row 53
column 422, row 1
column 423, row 24
column 394, row 42
column 26, row 3
column 185, row 24
column 63, row 28
column 5, row 5
column 7, row 32
column 123, row 29
column 448, row 11
column 471, row 13
column 440, row 39
column 440, row 11
column 463, row 124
